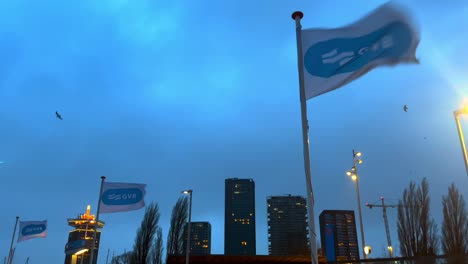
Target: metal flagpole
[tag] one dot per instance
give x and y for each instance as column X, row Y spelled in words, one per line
column 462, row 140
column 10, row 255
column 297, row 16
column 93, row 244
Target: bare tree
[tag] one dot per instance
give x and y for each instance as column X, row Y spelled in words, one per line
column 122, row 259
column 145, row 235
column 178, row 219
column 157, row 252
column 455, row 223
column 417, row 231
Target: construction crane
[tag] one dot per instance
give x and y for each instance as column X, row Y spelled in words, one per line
column 387, row 229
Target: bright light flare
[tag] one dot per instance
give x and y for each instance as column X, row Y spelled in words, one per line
column 81, row 251
column 367, row 250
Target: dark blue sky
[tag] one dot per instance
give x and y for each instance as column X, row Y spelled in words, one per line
column 183, row 94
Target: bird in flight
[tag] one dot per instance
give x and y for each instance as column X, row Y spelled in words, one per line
column 405, row 108
column 58, row 115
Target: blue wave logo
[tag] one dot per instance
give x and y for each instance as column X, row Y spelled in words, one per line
column 343, row 55
column 33, row 229
column 125, row 196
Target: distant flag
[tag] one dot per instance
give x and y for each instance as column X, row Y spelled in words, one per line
column 32, row 229
column 122, row 197
column 335, row 57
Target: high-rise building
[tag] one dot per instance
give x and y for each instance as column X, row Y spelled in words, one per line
column 200, row 238
column 338, row 235
column 77, row 250
column 239, row 217
column 287, row 226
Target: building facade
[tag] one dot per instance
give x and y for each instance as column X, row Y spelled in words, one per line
column 239, row 217
column 287, row 226
column 339, row 235
column 200, row 238
column 77, row 250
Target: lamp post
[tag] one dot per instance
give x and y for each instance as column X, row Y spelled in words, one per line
column 354, row 176
column 457, row 114
column 187, row 249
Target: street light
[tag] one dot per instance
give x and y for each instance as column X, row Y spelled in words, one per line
column 354, row 176
column 187, row 249
column 367, row 250
column 456, row 114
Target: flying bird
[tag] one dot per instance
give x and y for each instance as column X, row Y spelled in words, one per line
column 58, row 115
column 405, row 108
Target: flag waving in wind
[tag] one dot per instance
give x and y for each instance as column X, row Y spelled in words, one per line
column 335, row 57
column 32, row 229
column 122, row 197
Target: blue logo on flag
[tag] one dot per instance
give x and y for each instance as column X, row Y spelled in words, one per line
column 125, row 196
column 343, row 55
column 33, row 229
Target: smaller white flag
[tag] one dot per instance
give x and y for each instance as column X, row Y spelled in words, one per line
column 32, row 229
column 122, row 197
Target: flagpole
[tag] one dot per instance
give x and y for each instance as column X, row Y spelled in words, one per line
column 297, row 16
column 12, row 240
column 93, row 244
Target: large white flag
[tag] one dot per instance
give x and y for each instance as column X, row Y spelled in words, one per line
column 335, row 57
column 122, row 197
column 32, row 229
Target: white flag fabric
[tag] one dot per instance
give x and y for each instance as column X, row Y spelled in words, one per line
column 335, row 57
column 32, row 229
column 122, row 197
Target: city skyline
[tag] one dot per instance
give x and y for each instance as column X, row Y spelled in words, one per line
column 183, row 94
column 200, row 238
column 338, row 233
column 239, row 218
column 288, row 233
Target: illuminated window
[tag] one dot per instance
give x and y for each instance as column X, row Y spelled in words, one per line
column 244, row 243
